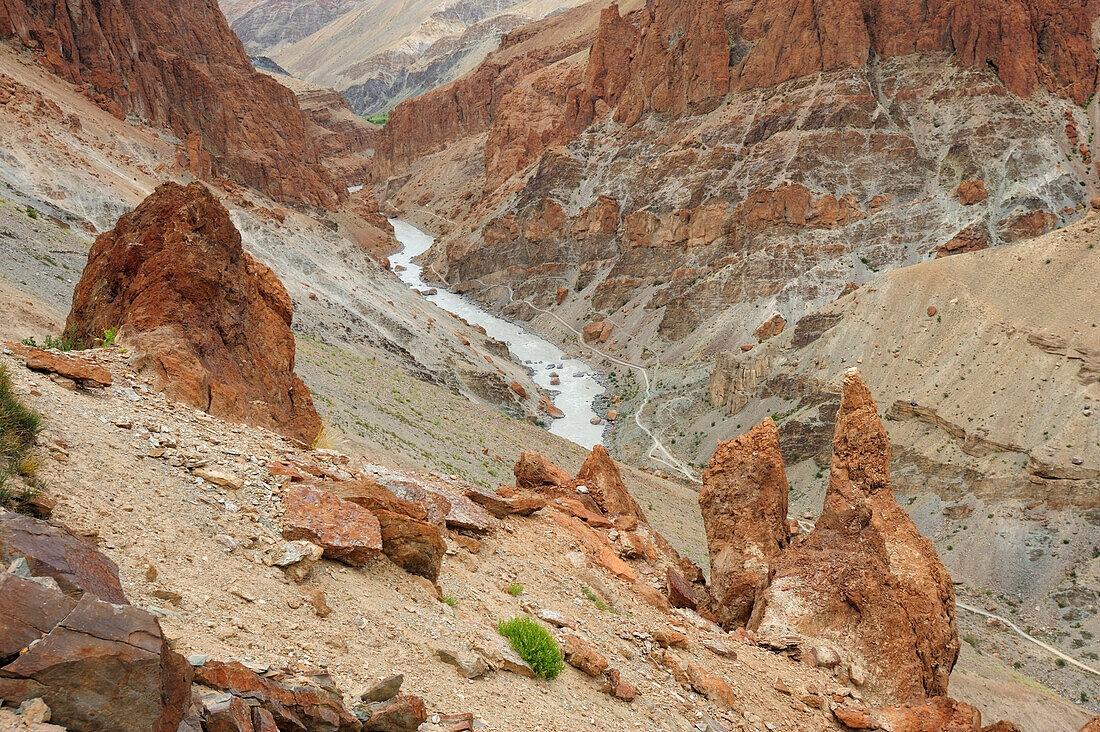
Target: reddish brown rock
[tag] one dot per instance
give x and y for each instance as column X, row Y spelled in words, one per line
column 973, row 238
column 403, row 713
column 297, row 703
column 178, row 66
column 580, row 654
column 71, row 367
column 770, row 328
column 52, row 550
column 344, row 530
column 744, row 506
column 1093, row 725
column 518, row 389
column 616, row 687
column 99, row 666
column 599, row 548
column 971, row 192
column 210, row 322
column 226, row 715
column 533, row 471
column 680, row 592
column 597, row 332
column 1003, row 726
column 942, row 714
column 865, row 580
column 373, row 496
column 547, row 407
column 605, row 484
column 415, row 546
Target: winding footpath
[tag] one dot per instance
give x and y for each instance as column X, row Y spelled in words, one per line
column 1048, row 648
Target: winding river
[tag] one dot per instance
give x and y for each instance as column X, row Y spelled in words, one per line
column 578, row 387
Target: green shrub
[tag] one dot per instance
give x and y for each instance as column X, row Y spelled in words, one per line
column 109, row 336
column 19, row 426
column 534, row 645
column 515, row 589
column 450, row 600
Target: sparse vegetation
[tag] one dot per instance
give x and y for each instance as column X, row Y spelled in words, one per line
column 599, row 603
column 973, row 641
column 19, row 426
column 378, row 119
column 534, row 645
column 515, row 589
column 450, row 600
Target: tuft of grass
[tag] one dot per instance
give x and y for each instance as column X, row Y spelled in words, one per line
column 515, row 589
column 109, row 336
column 973, row 641
column 534, row 645
column 19, row 426
column 450, row 600
column 599, row 603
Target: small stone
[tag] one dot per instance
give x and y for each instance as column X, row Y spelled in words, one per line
column 469, row 665
column 931, row 311
column 34, row 711
column 718, row 647
column 320, row 605
column 219, row 477
column 580, row 654
column 555, row 618
column 384, row 690
column 665, row 637
column 226, row 540
column 298, row 558
column 198, row 659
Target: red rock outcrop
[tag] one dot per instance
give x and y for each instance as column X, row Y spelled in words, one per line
column 345, row 531
column 744, row 506
column 178, row 65
column 297, row 704
column 533, row 471
column 771, row 327
column 211, row 322
column 605, row 485
column 865, row 580
column 938, row 714
column 971, row 192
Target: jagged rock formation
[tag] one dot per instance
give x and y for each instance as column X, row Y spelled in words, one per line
column 266, row 27
column 865, row 580
column 745, row 170
column 132, row 59
column 211, row 322
column 744, row 506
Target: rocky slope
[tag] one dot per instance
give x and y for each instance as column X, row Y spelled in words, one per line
column 200, row 539
column 131, row 59
column 682, row 178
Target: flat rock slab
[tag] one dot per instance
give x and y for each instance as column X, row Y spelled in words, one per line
column 345, row 531
column 77, row 369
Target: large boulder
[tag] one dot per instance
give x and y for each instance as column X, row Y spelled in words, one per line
column 744, row 506
column 533, row 471
column 344, row 530
column 865, row 580
column 99, row 666
column 605, row 484
column 210, row 322
column 52, row 550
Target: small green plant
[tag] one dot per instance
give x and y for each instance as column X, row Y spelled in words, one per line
column 109, row 336
column 1060, row 662
column 599, row 603
column 450, row 600
column 379, row 119
column 534, row 645
column 19, row 426
column 973, row 641
column 515, row 589
column 31, row 212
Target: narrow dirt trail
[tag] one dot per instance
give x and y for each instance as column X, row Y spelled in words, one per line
column 1016, row 629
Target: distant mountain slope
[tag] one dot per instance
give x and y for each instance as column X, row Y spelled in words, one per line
column 380, row 52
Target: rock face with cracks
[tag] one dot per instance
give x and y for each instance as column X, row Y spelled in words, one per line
column 744, row 506
column 211, row 322
column 865, row 580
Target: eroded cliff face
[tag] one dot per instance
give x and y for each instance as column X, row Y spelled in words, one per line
column 178, row 66
column 759, row 156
